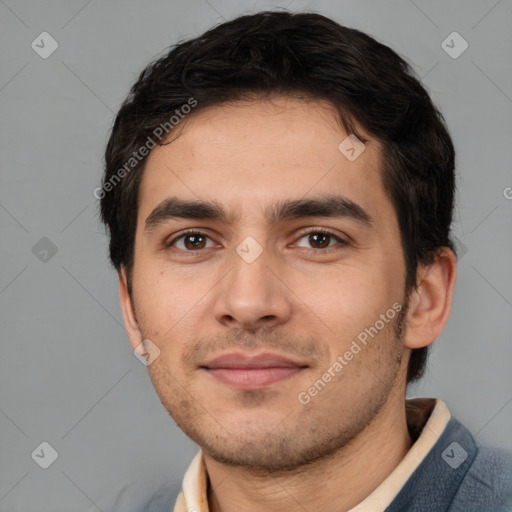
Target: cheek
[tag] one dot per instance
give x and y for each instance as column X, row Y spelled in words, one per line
column 348, row 304
column 346, row 292
column 169, row 304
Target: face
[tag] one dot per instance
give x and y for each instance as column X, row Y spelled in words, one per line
column 251, row 310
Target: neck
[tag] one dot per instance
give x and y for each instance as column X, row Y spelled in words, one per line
column 336, row 483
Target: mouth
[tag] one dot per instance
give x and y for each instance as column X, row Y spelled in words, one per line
column 241, row 371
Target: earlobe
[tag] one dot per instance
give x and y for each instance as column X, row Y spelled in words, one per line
column 430, row 302
column 130, row 321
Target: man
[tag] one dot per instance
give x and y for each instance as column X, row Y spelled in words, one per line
column 278, row 194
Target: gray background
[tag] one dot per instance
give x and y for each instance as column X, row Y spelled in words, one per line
column 68, row 375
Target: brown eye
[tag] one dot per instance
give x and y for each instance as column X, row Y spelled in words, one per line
column 194, row 241
column 321, row 240
column 190, row 242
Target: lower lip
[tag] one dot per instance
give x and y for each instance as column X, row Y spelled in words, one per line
column 252, row 378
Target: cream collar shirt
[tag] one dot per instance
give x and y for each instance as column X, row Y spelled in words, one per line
column 193, row 496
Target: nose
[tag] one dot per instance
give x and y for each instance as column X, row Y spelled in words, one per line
column 252, row 295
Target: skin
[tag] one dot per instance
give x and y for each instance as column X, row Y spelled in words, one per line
column 263, row 449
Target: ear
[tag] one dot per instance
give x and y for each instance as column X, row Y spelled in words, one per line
column 131, row 324
column 430, row 302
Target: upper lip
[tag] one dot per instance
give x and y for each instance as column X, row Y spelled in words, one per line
column 238, row 360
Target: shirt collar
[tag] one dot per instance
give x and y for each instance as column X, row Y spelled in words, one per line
column 426, row 419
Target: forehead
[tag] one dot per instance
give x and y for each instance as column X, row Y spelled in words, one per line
column 248, row 154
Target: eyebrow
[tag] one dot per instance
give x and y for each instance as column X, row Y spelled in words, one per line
column 330, row 205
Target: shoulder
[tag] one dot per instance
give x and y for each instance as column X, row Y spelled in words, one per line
column 457, row 475
column 488, row 482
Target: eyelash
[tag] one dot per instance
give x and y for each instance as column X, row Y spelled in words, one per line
column 328, row 250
